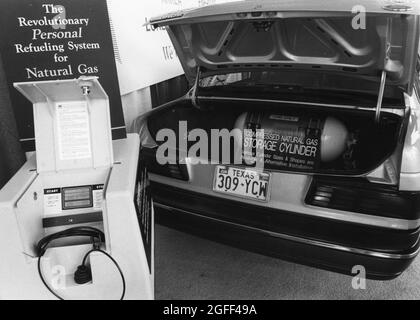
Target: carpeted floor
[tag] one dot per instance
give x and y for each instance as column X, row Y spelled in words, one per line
column 188, row 267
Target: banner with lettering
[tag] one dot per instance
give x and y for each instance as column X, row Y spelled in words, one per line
column 145, row 54
column 57, row 39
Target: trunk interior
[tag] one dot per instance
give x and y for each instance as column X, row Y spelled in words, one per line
column 368, row 143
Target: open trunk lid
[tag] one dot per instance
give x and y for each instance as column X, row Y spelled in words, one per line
column 325, row 36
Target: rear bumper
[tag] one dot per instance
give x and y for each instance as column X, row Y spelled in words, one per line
column 323, row 243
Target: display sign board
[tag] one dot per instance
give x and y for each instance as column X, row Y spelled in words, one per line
column 57, row 39
column 143, row 206
column 289, row 141
column 145, row 54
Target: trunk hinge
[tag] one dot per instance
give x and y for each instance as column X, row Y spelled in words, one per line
column 194, row 99
column 383, row 75
column 380, row 97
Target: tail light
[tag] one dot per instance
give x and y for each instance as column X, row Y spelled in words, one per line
column 359, row 195
column 176, row 170
column 385, row 174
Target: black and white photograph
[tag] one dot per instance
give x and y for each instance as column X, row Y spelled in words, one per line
column 221, row 152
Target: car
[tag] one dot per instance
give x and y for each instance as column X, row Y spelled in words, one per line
column 300, row 135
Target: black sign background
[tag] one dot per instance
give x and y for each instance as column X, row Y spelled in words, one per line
column 143, row 206
column 97, row 31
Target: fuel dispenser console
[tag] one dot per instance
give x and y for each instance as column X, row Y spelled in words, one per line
column 76, row 222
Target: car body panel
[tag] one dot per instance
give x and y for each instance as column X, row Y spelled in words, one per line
column 318, row 254
column 288, row 193
column 298, row 35
column 228, row 9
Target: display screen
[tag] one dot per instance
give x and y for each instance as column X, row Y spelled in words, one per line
column 77, row 197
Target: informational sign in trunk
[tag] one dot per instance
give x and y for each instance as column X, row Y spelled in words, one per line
column 57, row 39
column 289, row 141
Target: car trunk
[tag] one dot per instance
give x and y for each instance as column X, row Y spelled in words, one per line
column 243, row 57
column 367, row 143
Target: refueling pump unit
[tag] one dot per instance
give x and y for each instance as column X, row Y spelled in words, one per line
column 76, row 221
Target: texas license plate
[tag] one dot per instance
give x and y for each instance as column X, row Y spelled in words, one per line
column 243, row 183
